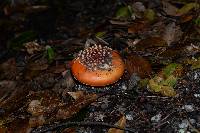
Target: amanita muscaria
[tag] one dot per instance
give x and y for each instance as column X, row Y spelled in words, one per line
column 98, row 66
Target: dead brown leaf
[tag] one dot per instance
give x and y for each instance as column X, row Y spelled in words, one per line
column 34, row 68
column 138, row 26
column 14, row 100
column 121, row 23
column 69, row 130
column 186, row 18
column 19, row 126
column 76, row 95
column 151, row 43
column 121, row 123
column 172, row 53
column 24, row 8
column 139, row 65
column 169, row 8
column 32, row 47
column 172, row 33
column 8, row 69
column 68, row 111
column 41, row 64
column 35, row 108
column 6, row 86
column 3, row 129
column 36, row 121
column 58, row 68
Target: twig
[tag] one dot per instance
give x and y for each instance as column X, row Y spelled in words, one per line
column 77, row 124
column 167, row 116
column 159, row 125
column 193, row 129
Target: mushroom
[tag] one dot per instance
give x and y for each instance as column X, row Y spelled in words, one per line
column 98, row 66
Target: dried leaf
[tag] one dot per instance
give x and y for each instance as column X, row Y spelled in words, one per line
column 76, row 95
column 68, row 111
column 6, row 87
column 35, row 8
column 151, row 43
column 69, row 130
column 67, row 82
column 3, row 129
column 121, row 123
column 34, row 68
column 137, row 26
column 117, row 22
column 172, row 33
column 138, row 7
column 36, row 121
column 35, row 108
column 14, row 101
column 32, row 47
column 58, row 68
column 19, row 125
column 169, row 8
column 137, row 64
column 8, row 69
column 172, row 52
column 186, row 8
column 38, row 65
column 186, row 18
column 24, row 8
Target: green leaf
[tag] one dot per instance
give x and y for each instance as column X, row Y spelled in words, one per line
column 164, row 82
column 123, row 12
column 186, row 8
column 197, row 21
column 170, row 81
column 50, row 53
column 168, row 70
column 150, row 15
column 100, row 34
column 17, row 42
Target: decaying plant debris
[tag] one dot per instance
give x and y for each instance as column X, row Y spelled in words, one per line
column 159, row 42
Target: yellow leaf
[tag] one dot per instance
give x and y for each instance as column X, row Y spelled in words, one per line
column 150, row 15
column 76, row 94
column 121, row 123
column 186, row 8
column 154, row 86
column 168, row 91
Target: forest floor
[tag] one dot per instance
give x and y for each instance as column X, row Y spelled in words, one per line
column 159, row 42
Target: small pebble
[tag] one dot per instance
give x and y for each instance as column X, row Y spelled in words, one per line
column 184, row 124
column 156, row 118
column 197, row 95
column 188, row 108
column 129, row 117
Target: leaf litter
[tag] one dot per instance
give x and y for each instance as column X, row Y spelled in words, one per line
column 158, row 41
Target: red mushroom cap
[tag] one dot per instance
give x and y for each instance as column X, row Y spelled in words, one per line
column 98, row 66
